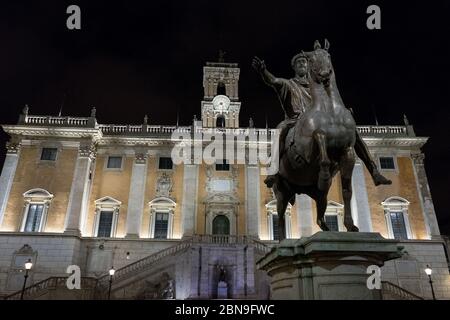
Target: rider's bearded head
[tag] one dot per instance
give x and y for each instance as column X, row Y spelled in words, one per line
column 300, row 64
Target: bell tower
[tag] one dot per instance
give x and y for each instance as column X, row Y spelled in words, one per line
column 220, row 104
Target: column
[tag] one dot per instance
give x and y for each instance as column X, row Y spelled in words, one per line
column 189, row 202
column 253, row 203
column 361, row 200
column 79, row 190
column 136, row 196
column 304, row 214
column 7, row 177
column 425, row 196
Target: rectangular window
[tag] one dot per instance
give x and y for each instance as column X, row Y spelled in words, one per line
column 49, row 154
column 398, row 225
column 222, row 166
column 276, row 234
column 161, row 225
column 34, row 218
column 105, row 224
column 387, row 163
column 114, row 162
column 332, row 222
column 165, row 163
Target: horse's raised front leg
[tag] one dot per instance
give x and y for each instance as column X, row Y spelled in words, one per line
column 346, row 163
column 324, row 181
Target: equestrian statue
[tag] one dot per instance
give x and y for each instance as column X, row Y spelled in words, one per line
column 318, row 137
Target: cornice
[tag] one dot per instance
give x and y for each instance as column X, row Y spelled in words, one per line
column 41, row 131
column 159, row 139
column 417, row 142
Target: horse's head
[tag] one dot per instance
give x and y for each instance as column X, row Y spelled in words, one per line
column 319, row 62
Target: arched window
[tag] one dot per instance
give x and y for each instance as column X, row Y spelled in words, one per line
column 106, row 217
column 37, row 202
column 221, row 225
column 397, row 220
column 161, row 218
column 221, row 89
column 220, row 121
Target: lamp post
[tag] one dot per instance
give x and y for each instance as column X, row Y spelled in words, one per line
column 111, row 274
column 28, row 266
column 429, row 271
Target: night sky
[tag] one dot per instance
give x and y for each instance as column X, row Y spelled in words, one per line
column 135, row 58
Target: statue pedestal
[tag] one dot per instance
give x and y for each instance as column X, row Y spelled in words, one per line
column 327, row 265
column 222, row 290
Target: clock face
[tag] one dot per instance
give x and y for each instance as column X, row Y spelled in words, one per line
column 221, row 103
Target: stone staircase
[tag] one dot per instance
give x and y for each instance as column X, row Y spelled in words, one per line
column 127, row 276
column 136, row 270
column 391, row 291
column 97, row 288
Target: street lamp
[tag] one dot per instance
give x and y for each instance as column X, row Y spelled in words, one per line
column 429, row 271
column 111, row 274
column 28, row 266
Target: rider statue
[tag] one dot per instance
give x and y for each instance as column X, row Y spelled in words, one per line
column 295, row 99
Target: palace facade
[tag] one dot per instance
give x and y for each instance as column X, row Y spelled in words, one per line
column 101, row 196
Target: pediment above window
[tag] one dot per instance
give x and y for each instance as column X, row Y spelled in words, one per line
column 271, row 207
column 38, row 194
column 107, row 202
column 162, row 203
column 334, row 207
column 395, row 203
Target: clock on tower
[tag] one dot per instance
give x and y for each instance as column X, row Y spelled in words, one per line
column 220, row 105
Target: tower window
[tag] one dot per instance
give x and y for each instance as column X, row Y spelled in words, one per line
column 220, row 121
column 221, row 89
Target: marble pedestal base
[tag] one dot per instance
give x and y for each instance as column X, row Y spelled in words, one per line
column 327, row 265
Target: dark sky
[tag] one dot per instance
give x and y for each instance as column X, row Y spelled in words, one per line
column 135, row 58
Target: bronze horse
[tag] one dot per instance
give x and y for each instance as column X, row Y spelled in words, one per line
column 319, row 145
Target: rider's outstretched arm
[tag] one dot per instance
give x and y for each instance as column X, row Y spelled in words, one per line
column 270, row 79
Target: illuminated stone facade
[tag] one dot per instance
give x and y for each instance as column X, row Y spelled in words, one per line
column 73, row 191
